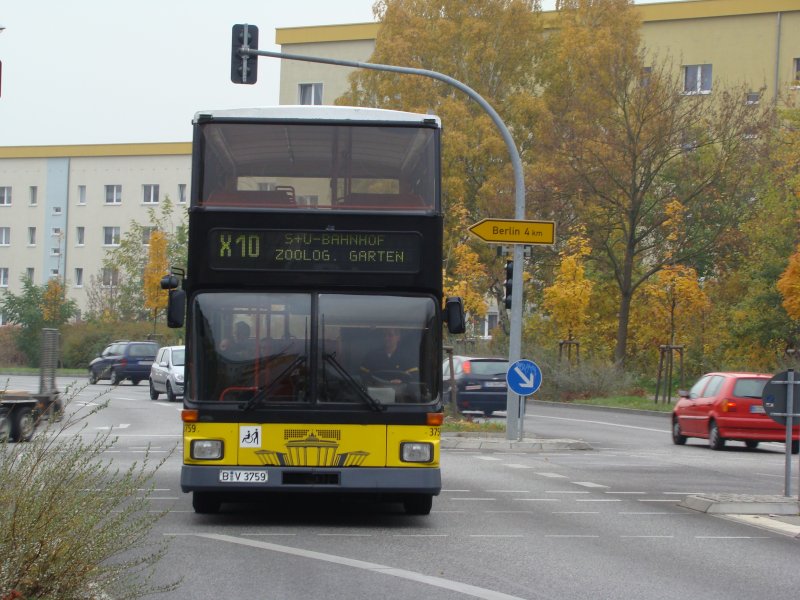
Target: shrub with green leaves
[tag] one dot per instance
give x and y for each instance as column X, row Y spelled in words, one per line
column 75, row 526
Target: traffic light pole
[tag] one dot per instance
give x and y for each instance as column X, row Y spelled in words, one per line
column 514, row 416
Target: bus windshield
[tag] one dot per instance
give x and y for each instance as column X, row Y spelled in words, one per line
column 313, row 166
column 315, row 349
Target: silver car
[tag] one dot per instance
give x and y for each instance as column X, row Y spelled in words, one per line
column 166, row 374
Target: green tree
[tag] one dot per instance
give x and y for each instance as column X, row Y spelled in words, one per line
column 123, row 296
column 35, row 308
column 656, row 175
column 490, row 46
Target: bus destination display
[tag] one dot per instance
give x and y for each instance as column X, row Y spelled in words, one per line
column 293, row 250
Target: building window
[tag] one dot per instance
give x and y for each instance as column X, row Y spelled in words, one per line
column 5, row 236
column 644, row 79
column 110, row 277
column 150, row 193
column 182, row 193
column 146, row 233
column 34, row 199
column 56, row 232
column 310, row 93
column 752, row 98
column 113, row 194
column 80, row 236
column 53, row 273
column 78, row 277
column 111, row 236
column 56, row 210
column 81, row 194
column 29, row 274
column 796, row 73
column 697, row 79
column 55, row 251
column 5, row 195
column 3, row 276
column 31, row 236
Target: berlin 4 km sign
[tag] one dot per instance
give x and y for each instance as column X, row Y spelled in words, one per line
column 524, row 377
column 511, row 231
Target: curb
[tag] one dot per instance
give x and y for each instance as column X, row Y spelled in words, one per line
column 461, row 442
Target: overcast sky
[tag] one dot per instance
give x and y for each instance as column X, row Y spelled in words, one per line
column 101, row 71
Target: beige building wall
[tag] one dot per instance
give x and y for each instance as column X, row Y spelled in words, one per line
column 70, row 184
column 746, row 41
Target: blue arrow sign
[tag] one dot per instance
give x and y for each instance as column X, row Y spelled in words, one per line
column 524, row 377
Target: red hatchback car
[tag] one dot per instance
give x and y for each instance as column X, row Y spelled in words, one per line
column 727, row 406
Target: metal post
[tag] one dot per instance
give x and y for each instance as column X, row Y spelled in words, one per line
column 789, row 417
column 514, row 423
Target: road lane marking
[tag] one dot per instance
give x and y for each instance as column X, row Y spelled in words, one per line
column 440, row 582
column 600, row 423
column 488, row 458
column 589, row 484
column 552, row 475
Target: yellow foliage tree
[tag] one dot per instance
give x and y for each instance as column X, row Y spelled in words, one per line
column 672, row 301
column 53, row 300
column 155, row 298
column 789, row 286
column 567, row 300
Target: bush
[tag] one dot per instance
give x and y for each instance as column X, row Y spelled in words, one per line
column 81, row 342
column 74, row 526
column 588, row 379
column 10, row 355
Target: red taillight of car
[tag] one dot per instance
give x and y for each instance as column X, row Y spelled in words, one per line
column 467, row 367
column 728, row 406
column 123, row 362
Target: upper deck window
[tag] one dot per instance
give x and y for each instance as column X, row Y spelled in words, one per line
column 353, row 167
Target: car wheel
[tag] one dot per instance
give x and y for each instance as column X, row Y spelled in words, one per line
column 135, row 381
column 751, row 444
column 418, row 504
column 677, row 437
column 115, row 379
column 93, row 377
column 153, row 391
column 205, row 503
column 170, row 394
column 715, row 440
column 795, row 446
column 22, row 425
column 487, row 413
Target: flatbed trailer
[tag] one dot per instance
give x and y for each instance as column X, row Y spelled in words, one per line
column 20, row 410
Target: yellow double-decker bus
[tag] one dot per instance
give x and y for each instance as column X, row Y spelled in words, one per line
column 313, row 307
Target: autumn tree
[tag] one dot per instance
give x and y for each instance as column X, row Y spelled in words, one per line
column 155, row 299
column 567, row 300
column 490, row 46
column 38, row 306
column 634, row 154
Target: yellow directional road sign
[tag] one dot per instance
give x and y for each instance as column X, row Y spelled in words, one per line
column 510, row 231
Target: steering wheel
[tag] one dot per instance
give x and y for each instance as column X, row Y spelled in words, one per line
column 391, row 376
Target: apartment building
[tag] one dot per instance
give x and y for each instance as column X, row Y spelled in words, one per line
column 63, row 207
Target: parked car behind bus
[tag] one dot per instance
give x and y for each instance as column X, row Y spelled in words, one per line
column 166, row 374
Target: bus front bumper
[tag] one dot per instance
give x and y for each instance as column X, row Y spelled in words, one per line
column 420, row 480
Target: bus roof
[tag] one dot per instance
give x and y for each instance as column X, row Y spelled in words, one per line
column 320, row 113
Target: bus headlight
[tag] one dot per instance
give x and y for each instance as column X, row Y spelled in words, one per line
column 421, row 452
column 206, row 449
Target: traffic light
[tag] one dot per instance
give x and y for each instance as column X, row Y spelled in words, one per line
column 509, row 277
column 244, row 68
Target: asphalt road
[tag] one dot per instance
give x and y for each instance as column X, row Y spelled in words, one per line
column 600, row 523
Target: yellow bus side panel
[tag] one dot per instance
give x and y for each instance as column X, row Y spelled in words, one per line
column 396, row 434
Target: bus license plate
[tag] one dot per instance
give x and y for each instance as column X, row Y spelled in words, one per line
column 241, row 476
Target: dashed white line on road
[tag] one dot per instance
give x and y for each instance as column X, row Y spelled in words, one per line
column 552, row 475
column 590, row 484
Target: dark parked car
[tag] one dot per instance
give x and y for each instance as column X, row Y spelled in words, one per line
column 727, row 406
column 480, row 383
column 123, row 360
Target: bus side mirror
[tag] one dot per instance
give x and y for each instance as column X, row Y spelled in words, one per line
column 454, row 315
column 176, row 308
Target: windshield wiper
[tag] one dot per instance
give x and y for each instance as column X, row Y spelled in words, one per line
column 262, row 392
column 374, row 404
